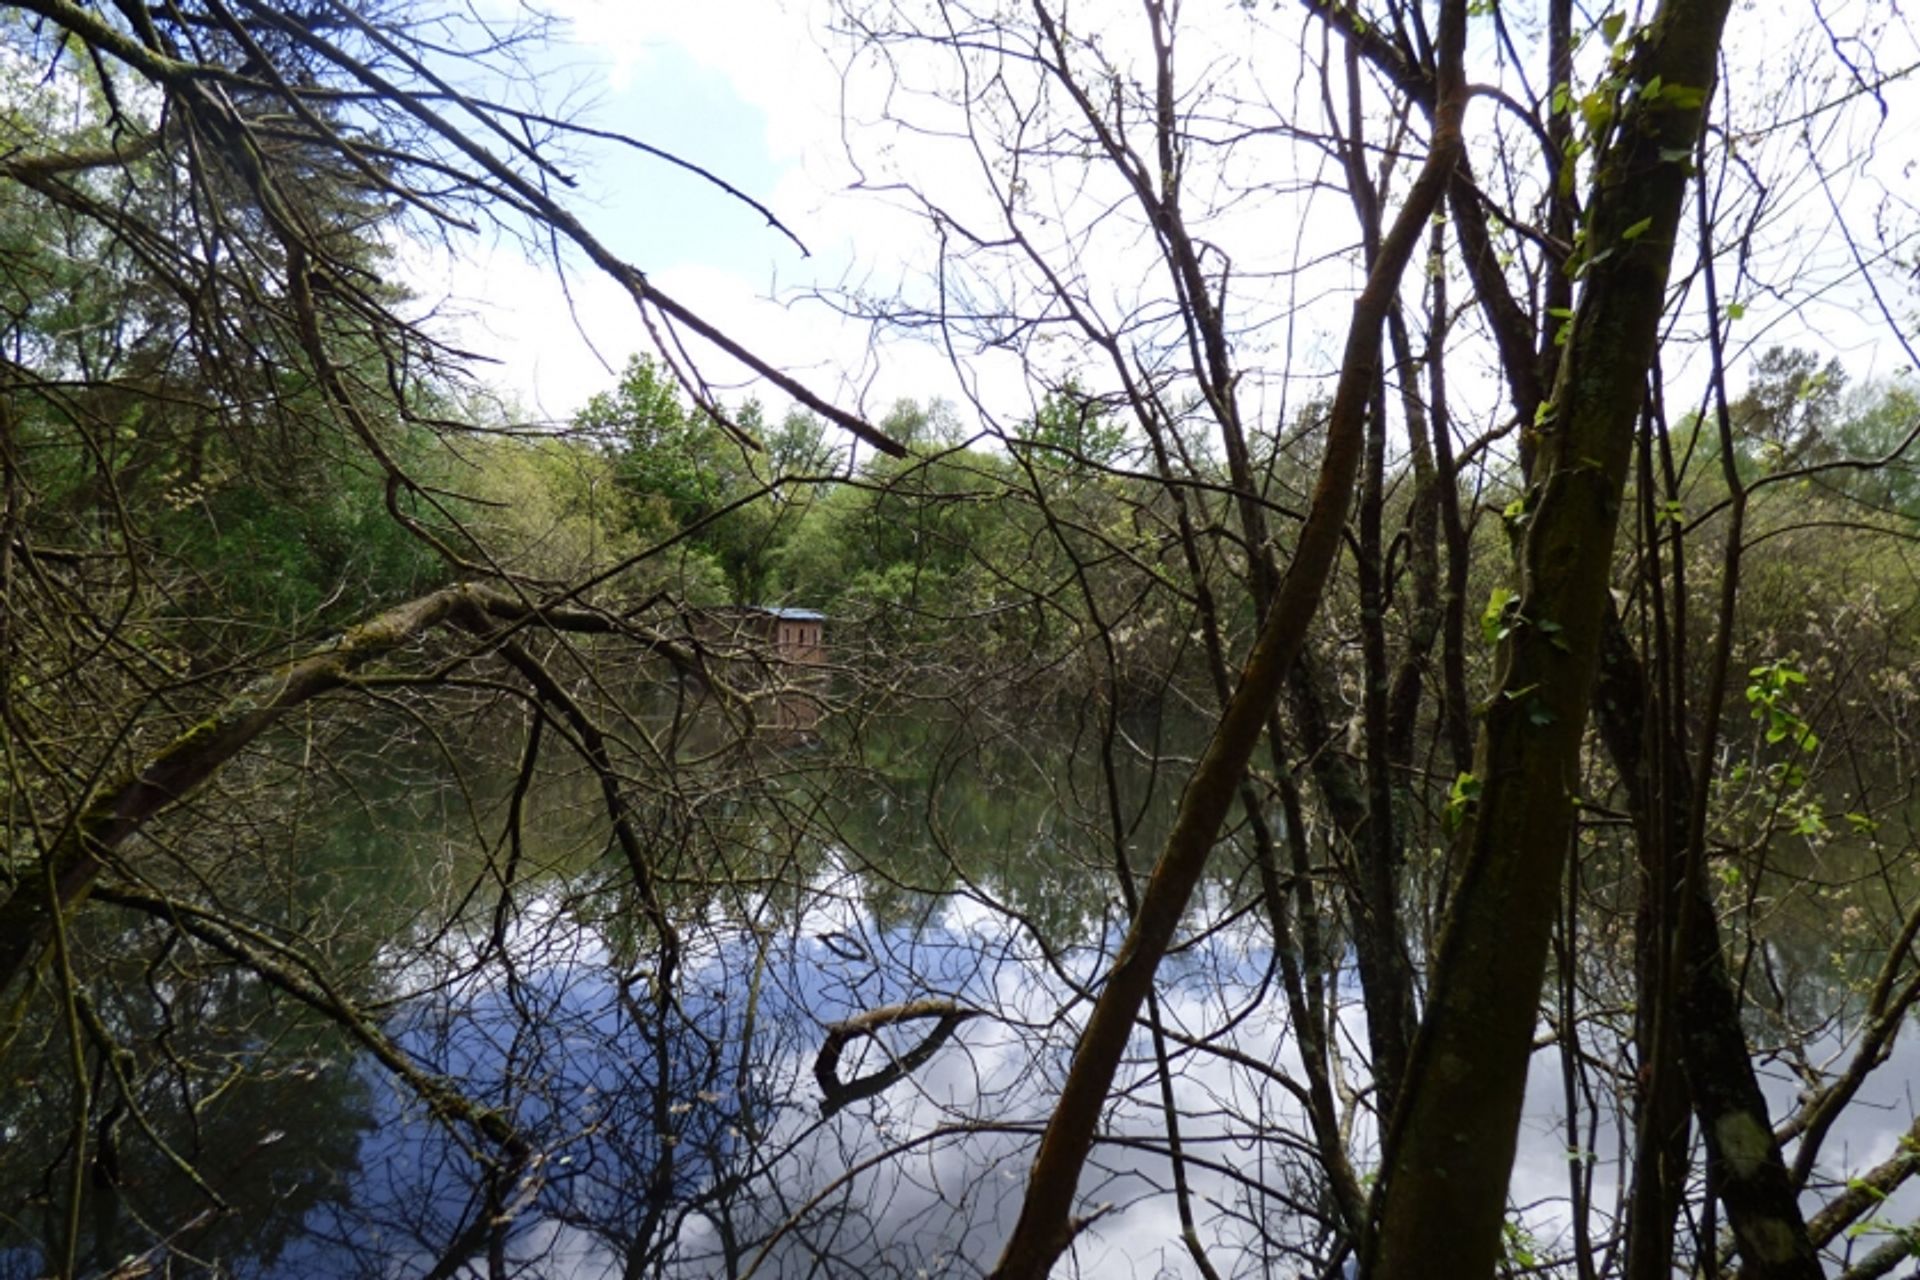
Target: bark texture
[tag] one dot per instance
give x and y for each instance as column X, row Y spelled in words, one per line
column 77, row 855
column 1450, row 1149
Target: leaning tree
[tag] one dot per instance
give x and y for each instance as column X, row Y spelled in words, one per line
column 245, row 539
column 1558, row 221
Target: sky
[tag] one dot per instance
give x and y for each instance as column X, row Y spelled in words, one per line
column 754, row 91
column 745, row 91
column 757, row 91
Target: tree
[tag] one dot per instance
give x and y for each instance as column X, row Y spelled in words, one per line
column 1076, row 141
column 1205, row 791
column 230, row 512
column 1443, row 1200
column 258, row 237
column 1075, row 428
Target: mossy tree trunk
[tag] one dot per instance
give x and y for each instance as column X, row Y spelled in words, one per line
column 1442, row 1197
column 76, row 856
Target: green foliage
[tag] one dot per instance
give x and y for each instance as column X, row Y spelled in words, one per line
column 1793, row 401
column 679, row 472
column 320, row 554
column 224, row 482
column 1461, row 799
column 551, row 506
column 1519, row 1250
column 1771, row 695
column 1877, row 425
column 914, row 534
column 1496, row 620
column 668, row 466
column 1071, row 427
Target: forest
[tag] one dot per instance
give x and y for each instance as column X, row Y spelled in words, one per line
column 1368, row 728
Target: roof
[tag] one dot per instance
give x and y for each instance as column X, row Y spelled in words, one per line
column 789, row 615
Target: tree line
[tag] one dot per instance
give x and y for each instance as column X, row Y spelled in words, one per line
column 1545, row 598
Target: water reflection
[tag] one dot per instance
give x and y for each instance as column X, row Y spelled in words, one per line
column 682, row 1129
column 282, row 1137
column 707, row 1150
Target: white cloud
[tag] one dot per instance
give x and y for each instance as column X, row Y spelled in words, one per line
column 769, row 52
column 766, row 297
column 1267, row 218
column 529, row 323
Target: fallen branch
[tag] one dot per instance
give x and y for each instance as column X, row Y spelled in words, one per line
column 837, row 1093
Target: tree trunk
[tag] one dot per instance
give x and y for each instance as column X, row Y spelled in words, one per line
column 1450, row 1148
column 1045, row 1228
column 76, row 857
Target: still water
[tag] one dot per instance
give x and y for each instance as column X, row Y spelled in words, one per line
column 666, row 1104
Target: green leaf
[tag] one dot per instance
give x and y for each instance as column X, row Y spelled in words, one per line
column 1493, row 619
column 1637, row 230
column 1611, row 24
column 1466, row 791
column 1596, row 109
column 1563, row 334
column 1680, row 97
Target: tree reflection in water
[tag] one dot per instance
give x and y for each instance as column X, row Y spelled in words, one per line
column 705, row 1150
column 589, row 1122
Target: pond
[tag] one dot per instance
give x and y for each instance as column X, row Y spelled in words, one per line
column 838, row 1063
